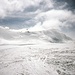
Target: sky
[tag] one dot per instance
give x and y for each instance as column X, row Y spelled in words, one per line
column 38, row 14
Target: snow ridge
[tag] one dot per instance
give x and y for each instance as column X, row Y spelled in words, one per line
column 23, row 36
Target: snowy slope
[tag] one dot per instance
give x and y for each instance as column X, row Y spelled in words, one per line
column 30, row 52
column 31, row 36
column 41, row 59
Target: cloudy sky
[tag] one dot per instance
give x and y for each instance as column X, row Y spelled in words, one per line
column 38, row 14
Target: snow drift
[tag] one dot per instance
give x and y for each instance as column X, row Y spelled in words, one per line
column 24, row 35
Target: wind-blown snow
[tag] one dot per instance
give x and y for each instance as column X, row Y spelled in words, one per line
column 31, row 36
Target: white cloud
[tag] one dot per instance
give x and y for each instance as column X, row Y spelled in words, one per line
column 48, row 3
column 55, row 18
column 51, row 24
column 37, row 27
column 12, row 6
column 54, row 14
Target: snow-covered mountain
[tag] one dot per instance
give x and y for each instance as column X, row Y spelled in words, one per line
column 26, row 36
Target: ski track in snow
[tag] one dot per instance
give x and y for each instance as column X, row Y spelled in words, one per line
column 42, row 59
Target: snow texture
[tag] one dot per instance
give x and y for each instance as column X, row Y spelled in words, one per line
column 37, row 59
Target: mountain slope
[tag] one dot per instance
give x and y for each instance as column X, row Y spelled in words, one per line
column 51, row 35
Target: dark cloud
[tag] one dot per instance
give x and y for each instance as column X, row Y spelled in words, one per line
column 13, row 22
column 71, row 3
column 31, row 9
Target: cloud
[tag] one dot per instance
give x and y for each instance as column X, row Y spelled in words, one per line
column 14, row 6
column 56, row 14
column 55, row 18
column 51, row 24
column 42, row 14
column 60, row 19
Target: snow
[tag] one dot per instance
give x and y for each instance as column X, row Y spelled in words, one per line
column 37, row 59
column 29, row 52
column 25, row 36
